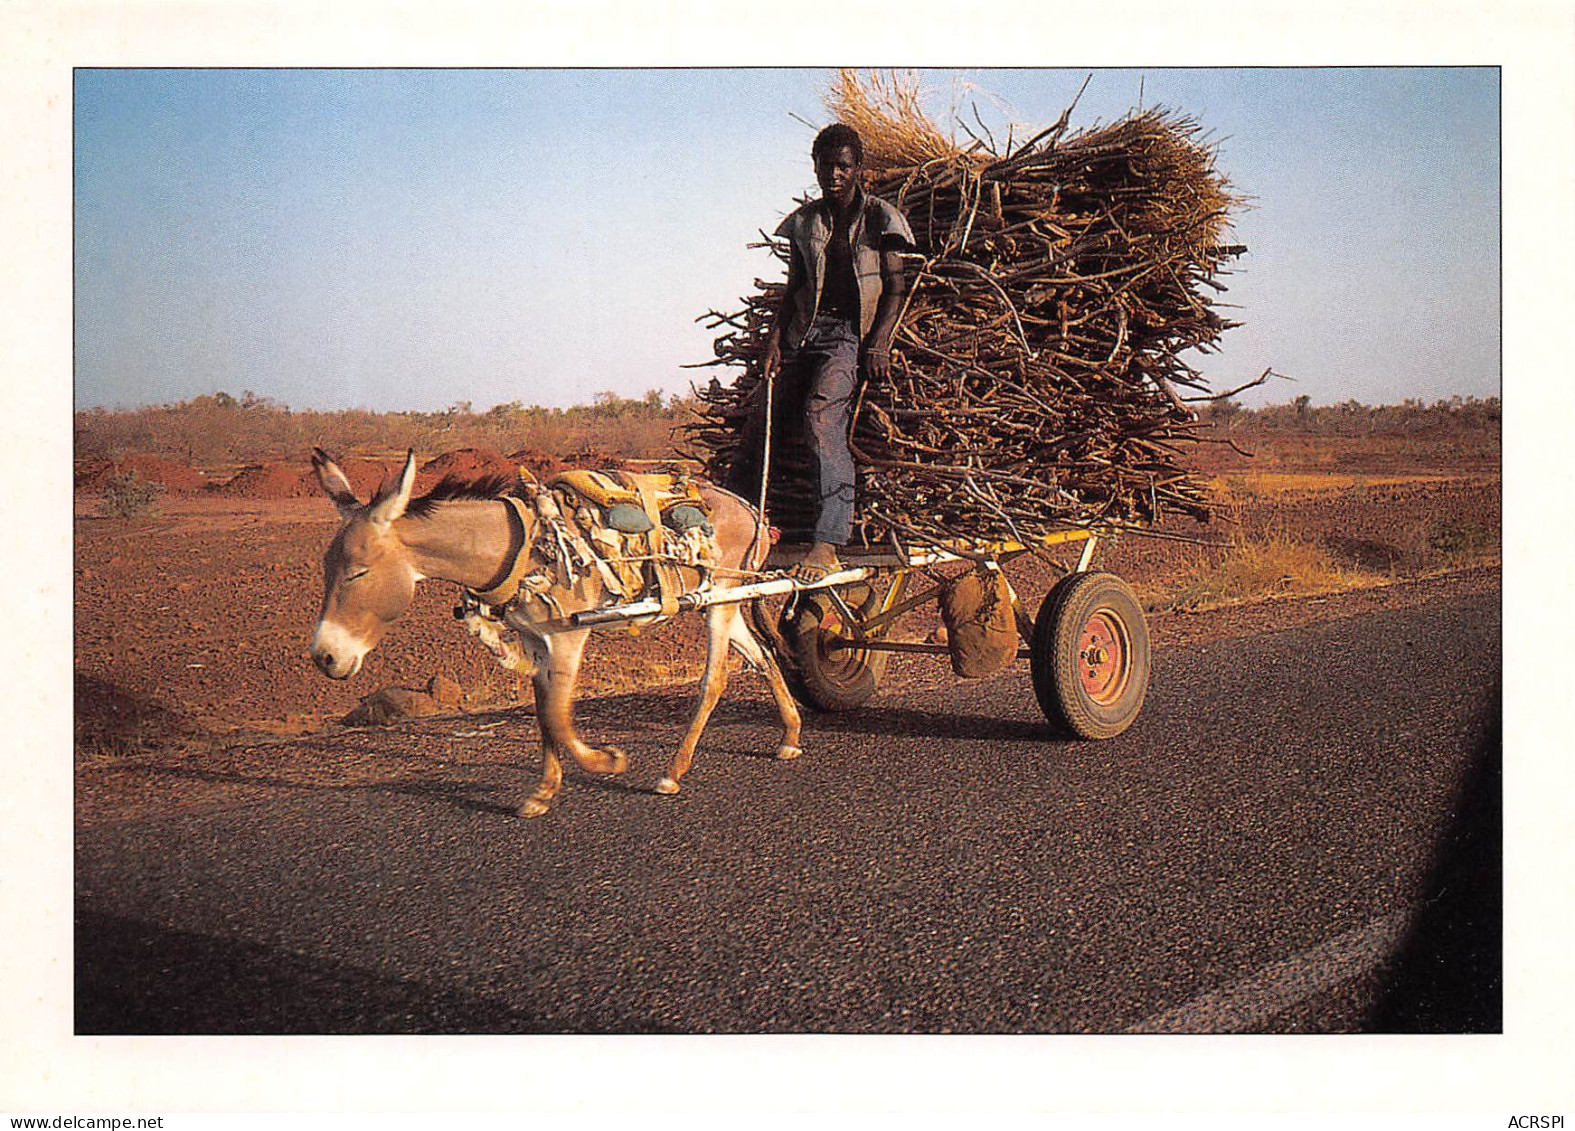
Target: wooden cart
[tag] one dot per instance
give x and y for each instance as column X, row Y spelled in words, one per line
column 1087, row 647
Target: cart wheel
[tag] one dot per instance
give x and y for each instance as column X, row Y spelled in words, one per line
column 829, row 679
column 1090, row 655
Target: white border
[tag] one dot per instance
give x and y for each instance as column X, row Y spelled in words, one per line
column 45, row 1068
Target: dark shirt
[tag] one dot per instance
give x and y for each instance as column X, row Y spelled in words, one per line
column 839, row 295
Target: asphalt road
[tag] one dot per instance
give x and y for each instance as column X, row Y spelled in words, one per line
column 1301, row 833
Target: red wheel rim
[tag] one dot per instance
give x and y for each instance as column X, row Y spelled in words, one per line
column 840, row 662
column 1102, row 657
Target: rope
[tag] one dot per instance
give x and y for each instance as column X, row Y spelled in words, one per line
column 765, row 454
column 761, row 524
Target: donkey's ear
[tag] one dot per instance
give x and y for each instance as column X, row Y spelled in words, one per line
column 394, row 495
column 335, row 483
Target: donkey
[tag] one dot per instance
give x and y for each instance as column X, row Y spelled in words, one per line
column 385, row 546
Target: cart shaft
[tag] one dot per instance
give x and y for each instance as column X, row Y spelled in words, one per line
column 843, row 643
column 705, row 598
column 776, row 586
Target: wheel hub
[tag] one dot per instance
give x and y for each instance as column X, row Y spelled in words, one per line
column 1102, row 656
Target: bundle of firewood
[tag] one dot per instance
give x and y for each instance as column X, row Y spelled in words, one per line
column 1056, row 285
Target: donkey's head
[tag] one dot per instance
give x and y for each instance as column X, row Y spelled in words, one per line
column 369, row 575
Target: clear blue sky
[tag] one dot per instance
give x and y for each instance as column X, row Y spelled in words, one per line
column 396, row 239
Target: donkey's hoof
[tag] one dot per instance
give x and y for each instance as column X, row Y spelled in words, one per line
column 667, row 785
column 534, row 807
column 610, row 760
column 787, row 752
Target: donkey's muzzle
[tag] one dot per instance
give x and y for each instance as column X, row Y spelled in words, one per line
column 336, row 653
column 335, row 667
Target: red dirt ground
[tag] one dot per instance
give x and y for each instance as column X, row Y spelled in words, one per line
column 177, row 478
column 365, row 475
column 297, row 480
column 270, row 481
column 540, row 464
column 464, row 463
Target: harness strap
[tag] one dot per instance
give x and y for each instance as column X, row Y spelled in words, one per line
column 569, row 536
column 571, row 545
column 669, row 583
column 508, row 588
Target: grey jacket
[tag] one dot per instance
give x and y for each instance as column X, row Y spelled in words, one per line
column 809, row 229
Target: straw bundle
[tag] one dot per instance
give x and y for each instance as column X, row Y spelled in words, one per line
column 1056, row 286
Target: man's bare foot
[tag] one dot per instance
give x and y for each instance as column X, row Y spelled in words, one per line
column 823, row 555
column 820, row 562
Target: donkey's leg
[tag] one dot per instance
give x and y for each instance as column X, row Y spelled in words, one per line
column 507, row 652
column 718, row 618
column 555, row 707
column 541, row 651
column 763, row 661
column 551, row 781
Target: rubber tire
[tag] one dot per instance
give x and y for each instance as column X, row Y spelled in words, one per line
column 1053, row 657
column 817, row 679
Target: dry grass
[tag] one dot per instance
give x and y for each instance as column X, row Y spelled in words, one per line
column 1255, row 566
column 884, row 109
column 1269, row 484
column 1442, row 542
column 1309, row 532
column 128, row 495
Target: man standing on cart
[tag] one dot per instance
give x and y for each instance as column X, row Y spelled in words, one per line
column 845, row 290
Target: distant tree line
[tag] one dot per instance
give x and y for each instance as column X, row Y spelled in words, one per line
column 1412, row 416
column 220, row 429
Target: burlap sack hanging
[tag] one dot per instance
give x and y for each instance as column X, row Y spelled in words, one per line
column 980, row 628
